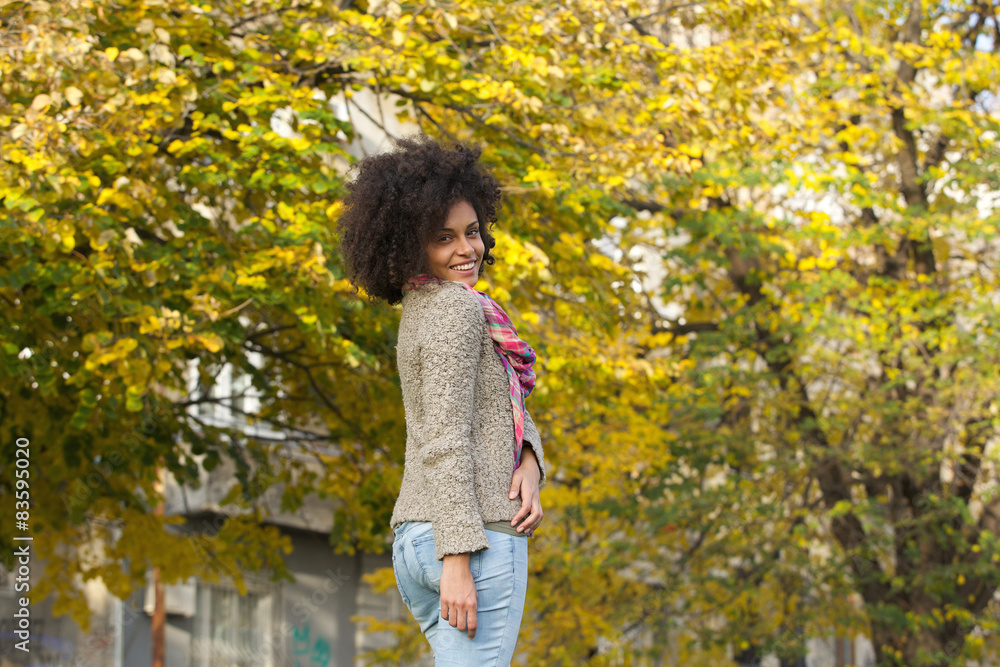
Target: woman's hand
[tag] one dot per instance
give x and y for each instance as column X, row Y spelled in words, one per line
column 525, row 484
column 459, row 598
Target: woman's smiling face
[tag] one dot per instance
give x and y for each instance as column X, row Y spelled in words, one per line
column 456, row 250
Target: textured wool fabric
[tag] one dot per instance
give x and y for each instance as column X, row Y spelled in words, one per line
column 516, row 356
column 459, row 425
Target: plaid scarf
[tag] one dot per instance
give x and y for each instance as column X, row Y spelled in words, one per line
column 516, row 355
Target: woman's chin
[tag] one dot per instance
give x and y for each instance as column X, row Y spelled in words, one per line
column 470, row 277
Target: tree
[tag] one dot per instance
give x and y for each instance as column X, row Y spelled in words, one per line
column 836, row 291
column 795, row 418
column 139, row 235
column 811, row 425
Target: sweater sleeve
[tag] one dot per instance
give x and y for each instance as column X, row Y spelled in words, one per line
column 533, row 440
column 449, row 359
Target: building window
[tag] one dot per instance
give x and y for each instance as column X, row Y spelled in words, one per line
column 234, row 396
column 233, row 630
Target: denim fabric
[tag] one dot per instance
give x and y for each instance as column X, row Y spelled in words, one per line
column 501, row 577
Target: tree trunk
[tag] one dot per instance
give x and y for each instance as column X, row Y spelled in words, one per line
column 895, row 647
column 159, row 620
column 159, row 627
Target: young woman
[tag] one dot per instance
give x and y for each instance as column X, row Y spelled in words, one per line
column 416, row 230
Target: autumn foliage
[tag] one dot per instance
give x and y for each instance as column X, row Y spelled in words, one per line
column 754, row 243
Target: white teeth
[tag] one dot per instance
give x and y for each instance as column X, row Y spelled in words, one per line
column 464, row 267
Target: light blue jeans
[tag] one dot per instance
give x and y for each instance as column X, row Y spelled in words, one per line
column 501, row 577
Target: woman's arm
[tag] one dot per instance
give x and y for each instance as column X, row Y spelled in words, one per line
column 533, row 441
column 525, row 483
column 528, row 479
column 449, row 362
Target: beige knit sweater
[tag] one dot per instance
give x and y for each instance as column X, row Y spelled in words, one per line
column 459, row 424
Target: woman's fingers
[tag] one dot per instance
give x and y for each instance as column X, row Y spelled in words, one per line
column 459, row 597
column 527, row 501
column 530, row 514
column 535, row 518
column 462, row 617
column 519, row 518
column 468, row 619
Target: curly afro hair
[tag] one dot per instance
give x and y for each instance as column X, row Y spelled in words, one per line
column 398, row 199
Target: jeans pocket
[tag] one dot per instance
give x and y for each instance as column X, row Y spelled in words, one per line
column 476, row 564
column 423, row 551
column 426, row 554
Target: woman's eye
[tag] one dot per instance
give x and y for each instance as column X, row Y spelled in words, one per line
column 473, row 231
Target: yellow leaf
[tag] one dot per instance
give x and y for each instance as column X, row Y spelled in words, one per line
column 73, row 95
column 151, row 324
column 212, row 342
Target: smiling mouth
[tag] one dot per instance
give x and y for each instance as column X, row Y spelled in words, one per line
column 464, row 267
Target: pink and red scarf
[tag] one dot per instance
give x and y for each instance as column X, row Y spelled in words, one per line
column 516, row 355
